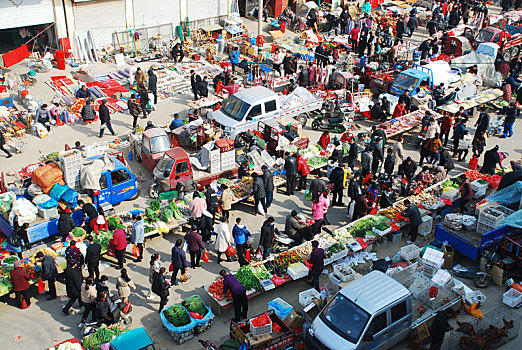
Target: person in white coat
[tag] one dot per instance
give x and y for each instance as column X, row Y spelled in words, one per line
column 224, row 238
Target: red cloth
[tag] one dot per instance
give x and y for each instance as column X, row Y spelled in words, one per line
column 399, row 111
column 119, row 241
column 302, row 166
column 324, row 141
column 15, row 56
column 95, row 226
column 19, row 279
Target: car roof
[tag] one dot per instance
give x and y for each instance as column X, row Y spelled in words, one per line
column 176, row 153
column 415, row 73
column 374, row 291
column 254, row 94
column 117, row 164
column 134, row 339
column 154, row 132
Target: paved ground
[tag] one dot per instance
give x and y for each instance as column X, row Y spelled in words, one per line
column 43, row 323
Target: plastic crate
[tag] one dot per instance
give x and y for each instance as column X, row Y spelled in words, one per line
column 295, row 275
column 426, row 226
column 475, row 296
column 512, row 298
column 261, row 330
column 451, row 194
column 70, row 157
column 491, row 217
column 410, row 252
column 340, row 255
column 328, row 261
column 478, row 186
column 479, row 194
column 381, row 233
column 47, row 213
column 267, row 284
column 306, row 297
column 347, row 275
column 282, row 309
column 396, row 236
column 204, row 327
column 429, row 271
column 182, row 337
column 482, row 228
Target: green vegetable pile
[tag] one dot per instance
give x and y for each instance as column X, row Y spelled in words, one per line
column 5, row 286
column 114, row 221
column 155, row 205
column 177, row 316
column 78, row 232
column 195, row 304
column 223, row 181
column 382, row 226
column 151, row 216
column 261, row 272
column 9, row 260
column 246, row 277
column 175, row 211
column 149, row 229
column 52, row 156
column 103, row 239
column 101, row 336
column 336, row 247
column 316, row 161
column 167, row 215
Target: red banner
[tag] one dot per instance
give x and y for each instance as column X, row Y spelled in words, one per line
column 15, row 56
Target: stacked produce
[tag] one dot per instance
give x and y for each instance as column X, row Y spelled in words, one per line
column 261, row 272
column 152, row 212
column 5, row 286
column 286, row 258
column 246, row 277
column 78, row 234
column 216, row 289
column 273, row 267
column 101, row 336
column 298, row 268
column 303, row 251
column 176, row 315
column 103, row 239
column 316, row 161
column 336, row 248
column 196, row 305
column 69, row 346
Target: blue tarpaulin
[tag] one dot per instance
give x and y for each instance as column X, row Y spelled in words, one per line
column 509, row 195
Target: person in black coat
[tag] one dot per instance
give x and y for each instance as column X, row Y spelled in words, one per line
column 202, row 86
column 438, row 329
column 506, row 5
column 424, row 48
column 193, row 76
column 105, row 118
column 49, row 273
column 144, row 100
column 267, row 237
column 73, row 285
column 211, row 199
column 65, row 224
column 153, row 84
column 177, row 52
column 179, row 261
column 405, row 97
column 491, row 159
column 353, row 186
column 377, row 113
column 353, row 153
column 401, row 28
column 92, row 258
column 432, row 26
column 2, row 145
column 446, row 161
column 268, row 180
column 413, row 214
column 412, row 24
column 336, row 179
column 389, row 162
column 160, row 287
column 103, row 309
column 377, row 155
column 291, row 173
column 408, row 168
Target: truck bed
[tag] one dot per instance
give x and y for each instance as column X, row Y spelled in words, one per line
column 305, row 108
column 204, row 177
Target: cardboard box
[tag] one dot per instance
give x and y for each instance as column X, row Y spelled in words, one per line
column 294, row 320
column 449, row 253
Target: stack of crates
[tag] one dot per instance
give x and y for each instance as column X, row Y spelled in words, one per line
column 492, row 218
column 215, row 161
column 71, row 163
column 228, row 160
column 479, row 188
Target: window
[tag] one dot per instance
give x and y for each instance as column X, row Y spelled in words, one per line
column 182, row 167
column 270, row 106
column 159, row 144
column 103, row 181
column 378, row 323
column 145, row 146
column 234, row 108
column 496, row 38
column 255, row 111
column 120, row 176
column 398, row 311
column 405, row 82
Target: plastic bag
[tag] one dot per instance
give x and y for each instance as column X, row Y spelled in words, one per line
column 473, row 163
column 260, row 208
column 70, row 197
column 41, row 286
column 261, row 320
column 205, row 257
column 185, row 277
column 231, row 251
column 136, row 251
column 308, row 195
column 171, row 267
column 196, row 315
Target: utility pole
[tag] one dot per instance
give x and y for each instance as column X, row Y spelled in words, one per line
column 260, row 18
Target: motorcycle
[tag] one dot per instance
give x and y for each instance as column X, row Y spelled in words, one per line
column 120, row 316
column 332, row 117
column 282, row 242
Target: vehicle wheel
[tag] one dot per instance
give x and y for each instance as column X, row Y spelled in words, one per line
column 507, row 56
column 316, row 124
column 126, row 322
column 154, row 191
column 138, row 192
column 239, row 141
column 481, row 280
column 302, row 118
column 514, row 51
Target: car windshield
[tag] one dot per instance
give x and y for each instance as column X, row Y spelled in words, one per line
column 165, row 164
column 405, row 82
column 345, row 317
column 235, row 108
column 159, row 144
column 485, row 36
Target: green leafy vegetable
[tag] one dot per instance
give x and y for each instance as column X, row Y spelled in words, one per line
column 78, row 232
column 176, row 315
column 155, row 205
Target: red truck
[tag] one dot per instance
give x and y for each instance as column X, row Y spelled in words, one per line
column 509, row 43
column 380, row 81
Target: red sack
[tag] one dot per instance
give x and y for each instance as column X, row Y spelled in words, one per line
column 41, row 286
column 398, row 217
column 261, row 320
column 231, row 251
column 196, row 315
column 473, row 163
column 446, row 201
column 110, row 250
column 393, row 226
column 247, row 255
column 308, row 265
column 136, row 251
column 278, row 280
column 374, row 210
column 367, row 178
column 23, row 303
column 205, row 257
column 171, row 267
column 127, row 308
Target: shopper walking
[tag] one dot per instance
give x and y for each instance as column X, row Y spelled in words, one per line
column 445, row 128
column 196, row 206
column 119, row 242
column 88, row 295
column 319, row 207
column 20, row 283
column 49, row 273
column 317, row 261
column 353, row 153
column 268, row 180
column 73, row 285
column 291, row 173
column 194, row 246
column 153, row 84
column 239, row 297
column 223, row 239
column 72, row 253
column 144, row 100
column 241, row 235
column 139, row 77
column 258, row 190
column 266, row 240
column 413, row 214
column 105, row 118
column 92, row 258
column 160, row 286
column 318, row 185
column 512, row 112
column 134, row 110
column 464, row 145
column 389, row 162
column 65, row 224
column 154, row 267
column 226, row 201
column 124, row 285
column 178, row 261
column 303, row 169
column 2, row 146
column 212, row 200
column 138, row 234
column 337, row 185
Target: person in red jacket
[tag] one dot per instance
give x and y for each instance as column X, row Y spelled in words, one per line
column 303, row 170
column 119, row 242
column 445, row 128
column 400, row 110
column 324, row 140
column 354, row 36
column 347, row 136
column 466, row 192
column 20, row 282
